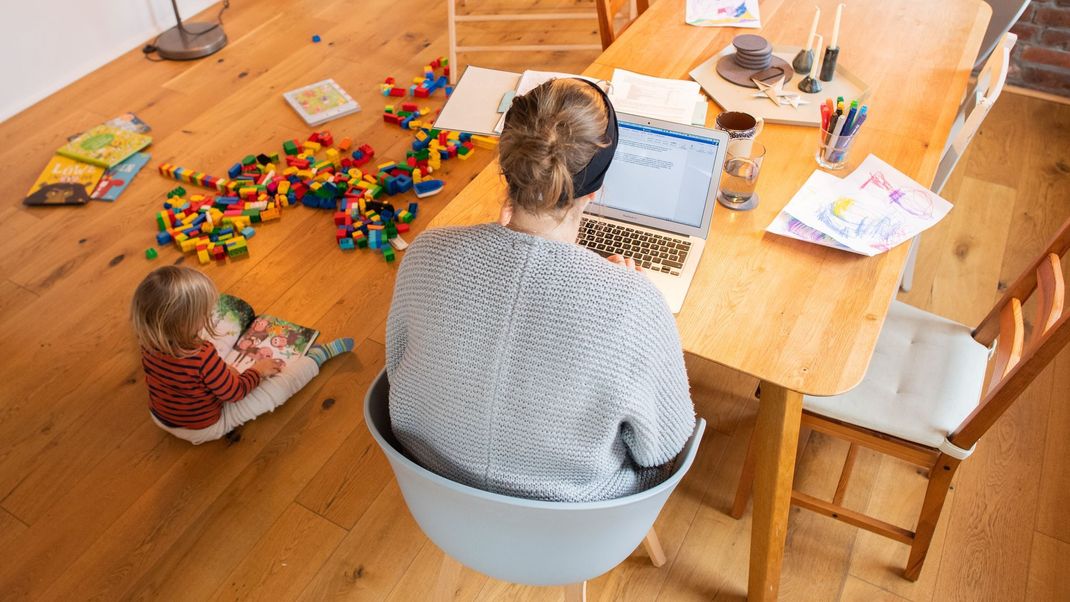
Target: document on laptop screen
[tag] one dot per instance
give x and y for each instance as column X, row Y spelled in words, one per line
column 661, row 174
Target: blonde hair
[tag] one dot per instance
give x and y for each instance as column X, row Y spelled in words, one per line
column 171, row 307
column 550, row 134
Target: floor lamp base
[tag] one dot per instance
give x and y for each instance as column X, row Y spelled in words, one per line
column 193, row 41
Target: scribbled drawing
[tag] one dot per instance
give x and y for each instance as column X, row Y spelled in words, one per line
column 918, row 203
column 851, row 219
column 806, row 232
column 915, row 201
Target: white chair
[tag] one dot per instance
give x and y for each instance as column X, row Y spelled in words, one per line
column 972, row 113
column 519, row 540
column 1005, row 13
column 925, row 398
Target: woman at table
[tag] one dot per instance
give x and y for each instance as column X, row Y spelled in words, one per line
column 522, row 363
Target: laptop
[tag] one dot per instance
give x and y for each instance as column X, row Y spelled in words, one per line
column 657, row 200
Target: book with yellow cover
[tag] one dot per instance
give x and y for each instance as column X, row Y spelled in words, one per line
column 68, row 173
column 105, row 145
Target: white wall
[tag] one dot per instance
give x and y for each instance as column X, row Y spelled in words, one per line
column 47, row 44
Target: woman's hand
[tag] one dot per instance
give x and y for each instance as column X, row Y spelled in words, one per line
column 267, row 367
column 627, row 262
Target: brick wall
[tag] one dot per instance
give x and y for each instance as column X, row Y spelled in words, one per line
column 1041, row 59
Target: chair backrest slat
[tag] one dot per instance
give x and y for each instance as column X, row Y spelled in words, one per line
column 1011, row 342
column 1051, row 292
column 607, row 12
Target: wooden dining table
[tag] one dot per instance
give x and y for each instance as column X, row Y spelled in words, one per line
column 801, row 318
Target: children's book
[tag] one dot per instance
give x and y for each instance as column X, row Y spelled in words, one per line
column 104, row 145
column 72, row 175
column 321, row 102
column 115, row 180
column 265, row 337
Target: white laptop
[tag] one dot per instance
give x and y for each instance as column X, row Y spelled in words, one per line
column 657, row 200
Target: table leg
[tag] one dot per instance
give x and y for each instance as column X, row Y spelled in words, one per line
column 776, row 435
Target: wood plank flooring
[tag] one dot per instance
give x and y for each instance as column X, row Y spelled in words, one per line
column 97, row 503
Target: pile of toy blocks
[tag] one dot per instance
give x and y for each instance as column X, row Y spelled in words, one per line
column 424, row 85
column 212, row 227
column 316, row 173
column 365, row 223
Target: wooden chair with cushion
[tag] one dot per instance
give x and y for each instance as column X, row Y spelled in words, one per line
column 933, row 388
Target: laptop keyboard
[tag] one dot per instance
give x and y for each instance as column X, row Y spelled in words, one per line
column 661, row 253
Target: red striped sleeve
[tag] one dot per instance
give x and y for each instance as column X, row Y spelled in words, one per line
column 224, row 382
column 189, row 392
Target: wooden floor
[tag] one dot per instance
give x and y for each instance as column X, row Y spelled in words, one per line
column 97, row 503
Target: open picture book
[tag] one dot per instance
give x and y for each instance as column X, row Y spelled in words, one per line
column 266, row 336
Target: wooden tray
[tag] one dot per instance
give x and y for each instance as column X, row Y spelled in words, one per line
column 737, row 98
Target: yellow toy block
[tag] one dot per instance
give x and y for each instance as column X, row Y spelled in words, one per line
column 203, row 257
column 453, row 135
column 312, row 146
column 486, row 142
column 284, row 187
column 332, row 155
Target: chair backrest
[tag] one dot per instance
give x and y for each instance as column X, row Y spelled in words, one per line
column 519, row 540
column 975, row 108
column 607, row 13
column 1005, row 14
column 1017, row 361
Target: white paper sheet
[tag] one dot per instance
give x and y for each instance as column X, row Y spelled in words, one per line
column 723, row 13
column 473, row 106
column 672, row 100
column 872, row 210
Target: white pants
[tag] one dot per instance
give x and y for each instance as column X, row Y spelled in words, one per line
column 271, row 393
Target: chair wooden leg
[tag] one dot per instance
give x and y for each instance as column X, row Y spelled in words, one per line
column 939, row 482
column 845, row 475
column 746, row 482
column 449, row 575
column 653, row 548
column 576, row 592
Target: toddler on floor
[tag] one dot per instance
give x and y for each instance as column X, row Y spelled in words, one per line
column 193, row 393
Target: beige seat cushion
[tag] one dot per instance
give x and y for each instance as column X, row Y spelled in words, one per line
column 924, row 379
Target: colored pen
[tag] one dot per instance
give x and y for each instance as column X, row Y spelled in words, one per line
column 834, row 139
column 824, row 117
column 861, row 119
column 850, row 118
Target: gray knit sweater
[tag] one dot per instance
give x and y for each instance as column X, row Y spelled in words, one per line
column 533, row 368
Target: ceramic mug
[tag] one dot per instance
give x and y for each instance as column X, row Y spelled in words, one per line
column 741, row 128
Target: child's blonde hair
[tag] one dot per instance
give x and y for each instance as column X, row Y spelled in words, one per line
column 171, row 307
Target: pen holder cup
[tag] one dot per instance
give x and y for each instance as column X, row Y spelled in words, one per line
column 832, row 149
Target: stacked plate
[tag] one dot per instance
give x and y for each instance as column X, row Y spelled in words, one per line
column 753, row 52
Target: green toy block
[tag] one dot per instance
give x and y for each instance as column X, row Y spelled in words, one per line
column 151, row 253
column 388, row 253
column 290, row 148
column 362, row 243
column 274, row 158
column 248, row 160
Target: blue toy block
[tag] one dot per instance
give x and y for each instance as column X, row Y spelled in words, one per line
column 316, row 39
column 449, row 90
column 465, row 136
column 226, row 200
column 414, row 206
column 248, row 232
column 163, row 237
column 425, row 189
column 235, row 170
column 347, row 244
column 403, row 183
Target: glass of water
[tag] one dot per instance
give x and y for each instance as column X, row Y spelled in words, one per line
column 743, row 162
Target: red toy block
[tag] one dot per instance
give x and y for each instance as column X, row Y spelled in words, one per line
column 397, row 91
column 410, row 107
column 402, row 228
column 421, row 92
column 389, row 81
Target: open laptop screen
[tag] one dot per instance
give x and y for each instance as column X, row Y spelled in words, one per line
column 662, row 174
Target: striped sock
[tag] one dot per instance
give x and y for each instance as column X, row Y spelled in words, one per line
column 322, row 353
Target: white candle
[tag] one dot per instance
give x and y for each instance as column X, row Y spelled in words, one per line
column 817, row 57
column 836, row 28
column 813, row 30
